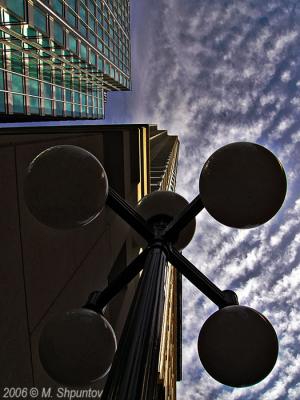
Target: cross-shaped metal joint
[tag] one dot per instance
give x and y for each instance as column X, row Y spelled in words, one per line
column 160, row 232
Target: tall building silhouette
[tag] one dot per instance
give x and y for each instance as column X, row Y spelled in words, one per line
column 58, row 58
column 47, row 271
column 164, row 151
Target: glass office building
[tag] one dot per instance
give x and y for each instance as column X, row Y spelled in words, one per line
column 59, row 58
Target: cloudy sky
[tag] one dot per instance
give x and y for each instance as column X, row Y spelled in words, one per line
column 215, row 72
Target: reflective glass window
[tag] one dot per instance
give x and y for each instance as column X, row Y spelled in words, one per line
column 91, row 7
column 92, row 23
column 72, row 4
column 68, row 95
column 58, row 32
column 83, row 29
column 48, row 107
column 18, row 103
column 69, row 109
column 2, row 102
column 47, row 75
column 68, row 80
column 47, row 90
column 58, row 78
column 59, row 108
column 76, row 83
column 83, row 51
column 100, row 45
column 99, row 16
column 93, row 58
column 33, row 87
column 58, row 93
column 40, row 19
column 76, row 97
column 16, row 6
column 17, row 83
column 2, row 80
column 34, row 105
column 57, row 6
column 100, row 64
column 77, row 110
column 16, row 61
column 105, row 11
column 72, row 43
column 83, row 13
column 71, row 17
column 93, row 39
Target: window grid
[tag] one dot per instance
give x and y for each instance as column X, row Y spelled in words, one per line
column 104, row 24
column 64, row 97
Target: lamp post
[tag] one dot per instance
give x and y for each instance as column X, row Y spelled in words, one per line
column 242, row 185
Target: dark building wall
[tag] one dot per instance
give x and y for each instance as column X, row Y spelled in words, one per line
column 44, row 271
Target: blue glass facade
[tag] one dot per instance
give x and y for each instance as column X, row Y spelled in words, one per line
column 58, row 58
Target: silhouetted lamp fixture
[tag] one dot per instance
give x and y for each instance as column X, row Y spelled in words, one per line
column 66, row 187
column 77, row 347
column 242, row 185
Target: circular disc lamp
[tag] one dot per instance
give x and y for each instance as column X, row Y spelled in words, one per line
column 66, row 187
column 238, row 346
column 242, row 185
column 78, row 347
column 166, row 205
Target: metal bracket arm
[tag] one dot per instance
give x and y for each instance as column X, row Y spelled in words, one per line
column 129, row 215
column 216, row 295
column 98, row 299
column 186, row 215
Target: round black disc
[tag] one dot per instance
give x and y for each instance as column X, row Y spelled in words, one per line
column 242, row 185
column 238, row 346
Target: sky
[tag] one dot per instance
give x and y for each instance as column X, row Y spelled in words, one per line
column 214, row 72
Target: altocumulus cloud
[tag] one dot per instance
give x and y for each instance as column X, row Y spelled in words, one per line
column 215, row 72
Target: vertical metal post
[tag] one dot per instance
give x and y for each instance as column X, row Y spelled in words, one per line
column 134, row 372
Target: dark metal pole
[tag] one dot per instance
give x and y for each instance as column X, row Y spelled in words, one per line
column 134, row 372
column 219, row 297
